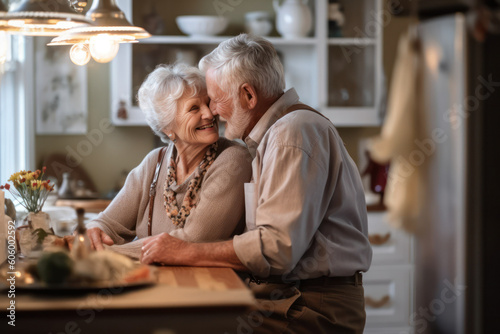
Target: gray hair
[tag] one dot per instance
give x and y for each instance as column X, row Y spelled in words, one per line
column 246, row 59
column 160, row 92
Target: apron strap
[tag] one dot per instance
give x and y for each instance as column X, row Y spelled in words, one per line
column 301, row 106
column 152, row 189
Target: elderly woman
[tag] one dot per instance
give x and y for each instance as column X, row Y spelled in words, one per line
column 199, row 182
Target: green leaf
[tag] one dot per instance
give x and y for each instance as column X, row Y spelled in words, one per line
column 41, row 234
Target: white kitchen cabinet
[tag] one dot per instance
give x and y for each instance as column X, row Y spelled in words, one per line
column 389, row 282
column 342, row 76
column 390, row 245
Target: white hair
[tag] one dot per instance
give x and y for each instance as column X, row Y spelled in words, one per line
column 246, row 59
column 160, row 92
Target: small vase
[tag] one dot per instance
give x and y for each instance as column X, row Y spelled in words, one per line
column 38, row 220
column 26, row 238
column 66, row 189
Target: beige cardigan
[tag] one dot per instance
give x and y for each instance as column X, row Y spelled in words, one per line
column 218, row 215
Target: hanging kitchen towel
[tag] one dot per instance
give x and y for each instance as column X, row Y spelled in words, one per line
column 402, row 126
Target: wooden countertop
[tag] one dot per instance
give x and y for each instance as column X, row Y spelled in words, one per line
column 177, row 287
column 185, row 300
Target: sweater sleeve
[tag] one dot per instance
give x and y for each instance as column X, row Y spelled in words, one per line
column 120, row 218
column 221, row 202
column 132, row 249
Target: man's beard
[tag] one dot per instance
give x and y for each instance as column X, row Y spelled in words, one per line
column 238, row 123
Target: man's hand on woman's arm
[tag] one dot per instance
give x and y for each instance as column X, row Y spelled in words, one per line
column 165, row 249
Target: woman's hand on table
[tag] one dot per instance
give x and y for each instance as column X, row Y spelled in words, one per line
column 162, row 249
column 98, row 238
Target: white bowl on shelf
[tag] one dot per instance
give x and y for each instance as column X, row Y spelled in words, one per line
column 201, row 25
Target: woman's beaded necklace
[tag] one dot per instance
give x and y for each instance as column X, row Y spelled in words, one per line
column 178, row 216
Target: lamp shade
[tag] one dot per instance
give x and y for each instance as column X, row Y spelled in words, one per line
column 107, row 20
column 110, row 27
column 107, row 13
column 44, row 18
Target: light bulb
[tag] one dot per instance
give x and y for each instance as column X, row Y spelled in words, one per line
column 79, row 54
column 103, row 48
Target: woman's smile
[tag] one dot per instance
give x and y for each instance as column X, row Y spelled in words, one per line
column 210, row 126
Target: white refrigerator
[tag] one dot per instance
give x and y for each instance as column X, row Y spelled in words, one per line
column 456, row 241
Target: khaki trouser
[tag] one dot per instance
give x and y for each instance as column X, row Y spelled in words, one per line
column 288, row 308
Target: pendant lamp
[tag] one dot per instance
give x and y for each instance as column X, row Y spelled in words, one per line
column 42, row 18
column 100, row 40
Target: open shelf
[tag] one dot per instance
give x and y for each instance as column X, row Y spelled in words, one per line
column 341, row 76
column 218, row 39
column 351, row 41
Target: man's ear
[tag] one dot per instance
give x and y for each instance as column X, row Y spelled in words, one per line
column 248, row 96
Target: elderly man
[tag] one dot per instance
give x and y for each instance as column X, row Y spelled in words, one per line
column 305, row 241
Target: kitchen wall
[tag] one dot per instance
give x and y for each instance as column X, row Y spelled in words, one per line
column 121, row 148
column 124, row 147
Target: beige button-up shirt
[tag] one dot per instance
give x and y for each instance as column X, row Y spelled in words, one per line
column 309, row 216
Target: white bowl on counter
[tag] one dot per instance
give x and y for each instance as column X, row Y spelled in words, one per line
column 201, row 25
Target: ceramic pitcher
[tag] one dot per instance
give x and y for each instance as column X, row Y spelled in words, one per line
column 293, row 18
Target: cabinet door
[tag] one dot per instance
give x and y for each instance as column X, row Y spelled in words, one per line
column 388, row 296
column 390, row 245
column 351, row 77
column 354, row 82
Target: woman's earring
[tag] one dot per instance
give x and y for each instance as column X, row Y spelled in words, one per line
column 170, row 136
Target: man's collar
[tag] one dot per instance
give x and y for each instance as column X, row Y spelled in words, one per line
column 270, row 117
